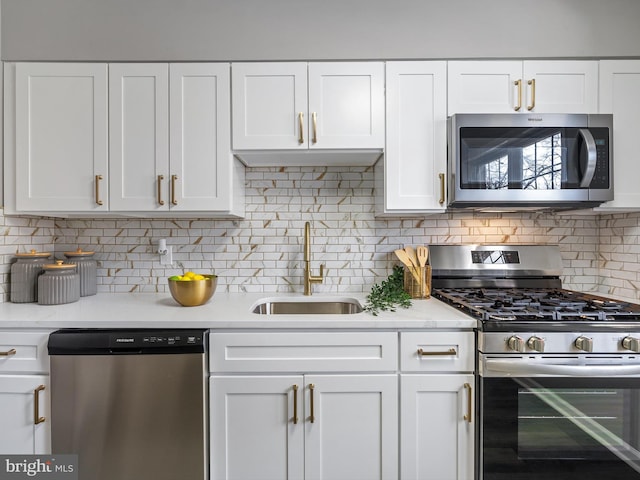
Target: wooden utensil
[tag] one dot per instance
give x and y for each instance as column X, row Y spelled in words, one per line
column 404, row 258
column 412, row 255
column 423, row 255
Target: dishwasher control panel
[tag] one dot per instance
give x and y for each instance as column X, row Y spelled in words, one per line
column 126, row 341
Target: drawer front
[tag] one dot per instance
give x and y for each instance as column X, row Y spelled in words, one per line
column 303, row 352
column 24, row 352
column 437, row 351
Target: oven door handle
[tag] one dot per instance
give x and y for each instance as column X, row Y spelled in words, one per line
column 509, row 367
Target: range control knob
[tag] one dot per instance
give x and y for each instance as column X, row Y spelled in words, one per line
column 536, row 343
column 516, row 344
column 631, row 343
column 584, row 343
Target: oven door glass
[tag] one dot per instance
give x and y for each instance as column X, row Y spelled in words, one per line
column 560, row 428
column 542, row 158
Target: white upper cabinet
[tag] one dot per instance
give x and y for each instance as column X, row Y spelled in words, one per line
column 269, row 105
column 295, row 105
column 168, row 134
column 620, row 95
column 203, row 175
column 415, row 161
column 553, row 86
column 59, row 122
column 138, row 136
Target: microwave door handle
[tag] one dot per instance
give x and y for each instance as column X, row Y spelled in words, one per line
column 510, row 367
column 592, row 156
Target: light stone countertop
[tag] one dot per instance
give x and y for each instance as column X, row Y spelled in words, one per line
column 223, row 311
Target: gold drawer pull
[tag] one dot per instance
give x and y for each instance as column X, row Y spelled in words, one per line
column 441, row 201
column 295, row 404
column 160, row 179
column 97, row 185
column 518, row 83
column 532, row 83
column 312, row 417
column 300, row 128
column 467, row 417
column 451, row 351
column 173, row 190
column 36, row 405
column 13, row 351
column 314, row 118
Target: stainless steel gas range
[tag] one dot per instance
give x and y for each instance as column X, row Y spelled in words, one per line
column 558, row 371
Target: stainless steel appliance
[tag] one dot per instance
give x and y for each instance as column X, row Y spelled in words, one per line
column 558, row 370
column 130, row 403
column 527, row 161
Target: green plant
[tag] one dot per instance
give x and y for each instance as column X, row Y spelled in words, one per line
column 388, row 294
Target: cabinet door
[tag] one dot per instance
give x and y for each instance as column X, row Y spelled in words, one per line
column 20, row 433
column 416, row 151
column 561, row 86
column 138, row 136
column 201, row 160
column 269, row 106
column 620, row 95
column 436, row 441
column 61, row 137
column 354, row 432
column 253, row 429
column 346, row 105
column 485, row 87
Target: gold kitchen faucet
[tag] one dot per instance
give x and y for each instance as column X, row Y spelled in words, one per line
column 308, row 278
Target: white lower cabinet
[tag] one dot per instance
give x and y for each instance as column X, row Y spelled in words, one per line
column 437, row 405
column 311, row 425
column 437, row 425
column 25, row 424
column 22, row 432
column 253, row 434
column 305, row 426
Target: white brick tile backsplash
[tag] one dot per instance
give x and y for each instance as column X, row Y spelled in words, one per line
column 263, row 252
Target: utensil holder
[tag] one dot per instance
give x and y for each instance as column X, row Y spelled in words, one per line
column 419, row 287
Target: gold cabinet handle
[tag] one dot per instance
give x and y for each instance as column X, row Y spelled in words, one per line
column 532, row 82
column 97, row 185
column 295, row 404
column 173, row 189
column 467, row 417
column 518, row 83
column 13, row 351
column 300, row 128
column 314, row 121
column 36, row 405
column 451, row 351
column 441, row 201
column 312, row 417
column 160, row 179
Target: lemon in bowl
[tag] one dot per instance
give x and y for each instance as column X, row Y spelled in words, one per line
column 192, row 289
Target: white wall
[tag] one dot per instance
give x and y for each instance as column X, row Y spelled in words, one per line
column 317, row 29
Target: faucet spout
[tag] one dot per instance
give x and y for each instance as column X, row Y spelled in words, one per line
column 308, row 277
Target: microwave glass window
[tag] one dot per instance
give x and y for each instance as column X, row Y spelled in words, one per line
column 519, row 158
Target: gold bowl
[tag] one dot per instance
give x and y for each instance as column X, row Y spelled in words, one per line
column 192, row 293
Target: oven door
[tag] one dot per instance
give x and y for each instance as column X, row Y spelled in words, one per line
column 559, row 418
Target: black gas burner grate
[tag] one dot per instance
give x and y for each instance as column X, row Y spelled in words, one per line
column 537, row 305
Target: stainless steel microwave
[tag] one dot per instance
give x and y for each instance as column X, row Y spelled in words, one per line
column 529, row 161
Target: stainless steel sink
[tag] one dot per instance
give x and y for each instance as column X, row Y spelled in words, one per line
column 344, row 306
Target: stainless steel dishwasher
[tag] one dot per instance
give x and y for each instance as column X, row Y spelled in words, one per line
column 132, row 404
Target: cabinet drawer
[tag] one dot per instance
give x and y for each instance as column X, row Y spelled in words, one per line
column 437, row 351
column 24, row 352
column 303, row 352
